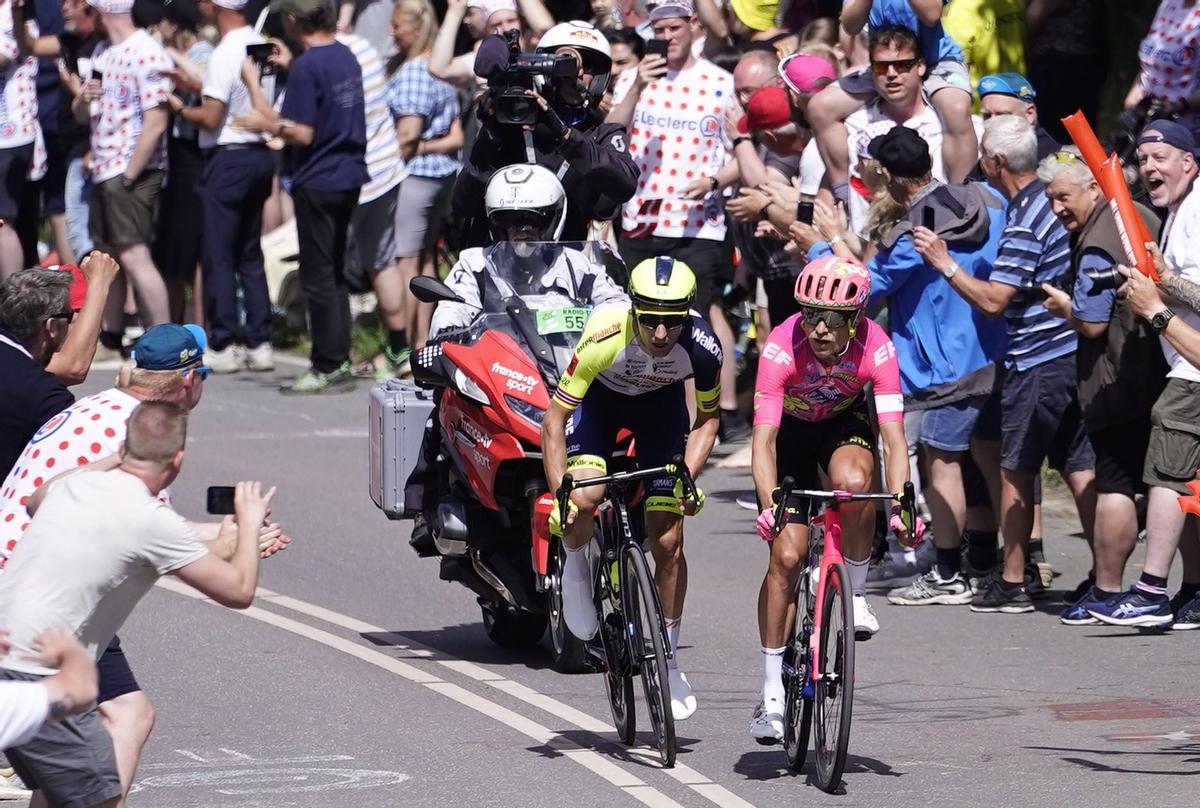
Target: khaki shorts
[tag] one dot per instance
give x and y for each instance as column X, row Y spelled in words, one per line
column 120, row 217
column 1173, row 455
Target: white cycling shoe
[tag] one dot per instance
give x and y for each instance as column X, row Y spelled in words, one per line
column 579, row 611
column 865, row 622
column 767, row 725
column 683, row 701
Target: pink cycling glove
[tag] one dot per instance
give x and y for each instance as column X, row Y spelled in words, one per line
column 766, row 524
column 896, row 523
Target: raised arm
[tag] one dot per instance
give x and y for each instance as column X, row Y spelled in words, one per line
column 73, row 360
column 929, row 12
column 538, row 19
column 233, row 583
column 854, row 15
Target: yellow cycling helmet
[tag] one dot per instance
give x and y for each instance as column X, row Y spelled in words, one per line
column 662, row 284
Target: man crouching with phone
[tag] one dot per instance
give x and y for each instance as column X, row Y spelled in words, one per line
column 99, row 540
column 168, row 367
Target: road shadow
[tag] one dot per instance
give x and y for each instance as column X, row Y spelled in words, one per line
column 771, row 764
column 1118, row 761
column 468, row 642
column 643, row 753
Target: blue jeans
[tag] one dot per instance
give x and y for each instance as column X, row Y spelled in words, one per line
column 78, row 192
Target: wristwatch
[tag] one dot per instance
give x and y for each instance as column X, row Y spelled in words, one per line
column 762, row 213
column 1159, row 321
column 951, row 272
column 737, row 141
column 713, row 183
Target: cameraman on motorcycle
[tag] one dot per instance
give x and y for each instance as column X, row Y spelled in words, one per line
column 570, row 138
column 525, row 205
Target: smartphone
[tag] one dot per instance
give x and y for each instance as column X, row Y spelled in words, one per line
column 657, row 47
column 260, row 52
column 927, row 218
column 804, row 212
column 220, row 499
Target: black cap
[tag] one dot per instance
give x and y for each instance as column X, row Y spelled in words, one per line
column 902, row 152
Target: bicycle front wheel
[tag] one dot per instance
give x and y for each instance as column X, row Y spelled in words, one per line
column 834, row 696
column 643, row 615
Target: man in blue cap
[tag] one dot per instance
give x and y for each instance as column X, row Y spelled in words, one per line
column 1012, row 94
column 167, row 366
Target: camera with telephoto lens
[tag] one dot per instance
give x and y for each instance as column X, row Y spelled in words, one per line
column 524, row 72
column 1130, row 123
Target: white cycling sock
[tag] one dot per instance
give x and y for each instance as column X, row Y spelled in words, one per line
column 858, row 575
column 772, row 687
column 673, row 636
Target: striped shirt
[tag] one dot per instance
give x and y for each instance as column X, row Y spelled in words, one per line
column 384, row 164
column 1034, row 249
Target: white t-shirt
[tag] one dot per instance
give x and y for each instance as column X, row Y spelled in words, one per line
column 24, row 707
column 1180, row 237
column 384, row 164
column 871, row 121
column 132, row 81
column 18, row 101
column 98, row 543
column 677, row 136
column 223, row 82
column 89, row 430
column 812, row 169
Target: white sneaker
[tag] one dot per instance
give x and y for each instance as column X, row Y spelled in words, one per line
column 578, row 609
column 223, row 361
column 260, row 359
column 11, row 787
column 865, row 622
column 683, row 701
column 767, row 725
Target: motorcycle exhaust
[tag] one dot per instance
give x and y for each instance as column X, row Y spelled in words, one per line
column 450, row 528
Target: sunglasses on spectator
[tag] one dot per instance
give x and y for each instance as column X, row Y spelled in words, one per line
column 63, row 315
column 1065, row 157
column 832, row 318
column 199, row 370
column 901, row 65
column 651, row 320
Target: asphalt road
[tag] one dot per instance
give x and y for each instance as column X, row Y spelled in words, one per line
column 361, row 679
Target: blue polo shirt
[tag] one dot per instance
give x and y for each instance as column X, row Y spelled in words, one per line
column 1034, row 249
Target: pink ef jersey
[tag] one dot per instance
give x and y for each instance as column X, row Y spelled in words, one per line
column 792, row 380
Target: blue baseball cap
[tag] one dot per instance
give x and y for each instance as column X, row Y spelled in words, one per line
column 1013, row 84
column 170, row 347
column 1173, row 133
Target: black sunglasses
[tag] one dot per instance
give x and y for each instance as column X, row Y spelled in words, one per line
column 832, row 318
column 901, row 65
column 651, row 320
column 63, row 315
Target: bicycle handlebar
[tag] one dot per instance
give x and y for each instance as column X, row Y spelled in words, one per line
column 677, row 468
column 787, row 490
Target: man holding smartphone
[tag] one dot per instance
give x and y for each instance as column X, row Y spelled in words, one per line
column 238, row 170
column 98, row 541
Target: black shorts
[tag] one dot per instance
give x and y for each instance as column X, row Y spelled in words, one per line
column 1041, row 420
column 803, row 448
column 658, row 421
column 1121, row 457
column 71, row 761
column 14, row 173
column 116, row 677
column 712, row 261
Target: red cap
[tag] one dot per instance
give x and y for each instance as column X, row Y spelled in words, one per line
column 768, row 109
column 78, row 285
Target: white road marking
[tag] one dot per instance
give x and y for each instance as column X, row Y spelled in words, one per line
column 235, row 753
column 237, row 782
column 591, row 760
column 283, row 761
column 191, row 755
column 713, row 792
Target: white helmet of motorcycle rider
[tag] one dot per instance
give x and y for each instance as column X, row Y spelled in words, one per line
column 583, row 41
column 525, row 204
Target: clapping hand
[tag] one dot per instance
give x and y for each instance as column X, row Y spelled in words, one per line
column 748, row 205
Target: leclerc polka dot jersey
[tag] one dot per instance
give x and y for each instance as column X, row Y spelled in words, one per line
column 676, row 137
column 90, row 430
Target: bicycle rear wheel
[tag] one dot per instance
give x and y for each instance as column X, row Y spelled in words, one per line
column 644, row 615
column 798, row 711
column 834, row 696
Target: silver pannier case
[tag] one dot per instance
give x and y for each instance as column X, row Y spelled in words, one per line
column 398, row 413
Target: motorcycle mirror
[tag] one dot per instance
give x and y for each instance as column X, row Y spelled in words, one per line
column 431, row 290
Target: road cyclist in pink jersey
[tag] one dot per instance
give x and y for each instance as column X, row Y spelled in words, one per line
column 811, row 421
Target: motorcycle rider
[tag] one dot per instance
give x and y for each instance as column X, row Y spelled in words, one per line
column 571, row 139
column 525, row 204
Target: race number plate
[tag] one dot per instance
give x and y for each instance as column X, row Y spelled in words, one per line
column 557, row 321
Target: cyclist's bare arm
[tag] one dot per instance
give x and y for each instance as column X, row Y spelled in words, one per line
column 895, row 455
column 701, row 441
column 554, row 443
column 762, row 462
